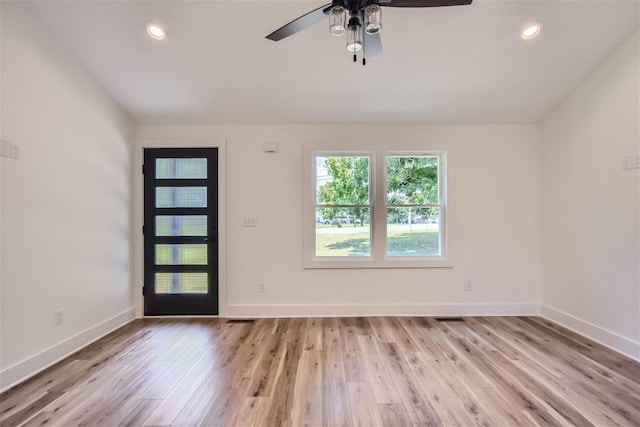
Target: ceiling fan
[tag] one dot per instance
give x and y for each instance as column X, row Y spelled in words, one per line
column 363, row 25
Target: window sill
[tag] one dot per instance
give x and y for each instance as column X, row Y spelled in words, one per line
column 363, row 263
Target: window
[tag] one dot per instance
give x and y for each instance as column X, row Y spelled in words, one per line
column 374, row 209
column 342, row 207
column 413, row 206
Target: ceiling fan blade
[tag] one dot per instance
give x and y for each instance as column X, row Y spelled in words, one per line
column 372, row 44
column 423, row 3
column 300, row 23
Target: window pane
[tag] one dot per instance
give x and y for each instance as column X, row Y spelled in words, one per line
column 413, row 232
column 412, row 180
column 181, row 197
column 181, row 254
column 343, row 232
column 181, row 225
column 181, row 168
column 181, row 283
column 342, row 180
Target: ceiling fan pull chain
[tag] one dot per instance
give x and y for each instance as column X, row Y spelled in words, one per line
column 364, row 47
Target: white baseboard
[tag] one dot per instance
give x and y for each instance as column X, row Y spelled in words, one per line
column 29, row 367
column 603, row 336
column 350, row 310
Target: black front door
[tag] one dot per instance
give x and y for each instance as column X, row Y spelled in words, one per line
column 180, row 231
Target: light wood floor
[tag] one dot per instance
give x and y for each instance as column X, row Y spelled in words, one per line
column 388, row 371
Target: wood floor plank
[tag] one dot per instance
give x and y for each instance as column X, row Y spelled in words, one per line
column 416, row 403
column 616, row 362
column 419, row 332
column 384, row 389
column 313, row 334
column 81, row 401
column 393, row 415
column 448, row 373
column 31, row 410
column 381, row 330
column 620, row 411
column 181, row 394
column 506, row 394
column 179, row 407
column 400, row 335
column 307, row 403
column 226, row 405
column 524, row 385
column 583, row 366
column 96, row 399
column 273, row 348
column 134, row 412
column 365, row 409
column 172, row 375
column 251, row 411
column 352, row 354
column 444, row 399
column 281, row 410
column 335, row 410
column 389, row 371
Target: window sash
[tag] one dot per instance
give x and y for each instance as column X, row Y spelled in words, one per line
column 317, row 205
column 378, row 206
column 370, row 177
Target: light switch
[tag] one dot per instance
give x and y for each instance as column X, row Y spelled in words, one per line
column 5, row 148
column 14, row 151
column 631, row 162
column 249, row 221
column 9, row 149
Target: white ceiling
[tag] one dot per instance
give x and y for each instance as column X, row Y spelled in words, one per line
column 464, row 64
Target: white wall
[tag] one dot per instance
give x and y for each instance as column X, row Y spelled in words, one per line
column 591, row 207
column 493, row 208
column 65, row 204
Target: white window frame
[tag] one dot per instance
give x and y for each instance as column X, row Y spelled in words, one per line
column 378, row 257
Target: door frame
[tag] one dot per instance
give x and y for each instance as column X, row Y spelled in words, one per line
column 137, row 244
column 180, row 303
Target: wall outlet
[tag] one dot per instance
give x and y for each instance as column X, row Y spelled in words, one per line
column 262, row 288
column 468, row 285
column 58, row 317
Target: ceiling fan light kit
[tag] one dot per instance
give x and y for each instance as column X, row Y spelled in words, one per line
column 337, row 21
column 373, row 19
column 364, row 24
column 354, row 36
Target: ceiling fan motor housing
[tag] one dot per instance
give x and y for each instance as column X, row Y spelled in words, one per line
column 354, row 23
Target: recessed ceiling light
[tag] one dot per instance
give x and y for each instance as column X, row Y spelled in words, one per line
column 531, row 31
column 155, row 31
